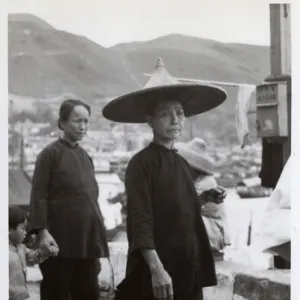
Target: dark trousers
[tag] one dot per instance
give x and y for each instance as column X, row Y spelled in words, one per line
column 65, row 277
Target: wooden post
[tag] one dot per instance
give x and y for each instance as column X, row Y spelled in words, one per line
column 249, row 238
column 280, row 31
column 22, row 151
column 280, row 59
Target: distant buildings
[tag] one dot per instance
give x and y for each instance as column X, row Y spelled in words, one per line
column 111, row 150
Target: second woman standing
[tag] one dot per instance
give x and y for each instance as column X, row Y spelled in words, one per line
column 64, row 210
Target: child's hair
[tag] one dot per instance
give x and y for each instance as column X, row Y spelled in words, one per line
column 16, row 216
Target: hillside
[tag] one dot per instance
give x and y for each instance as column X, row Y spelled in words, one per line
column 193, row 57
column 45, row 62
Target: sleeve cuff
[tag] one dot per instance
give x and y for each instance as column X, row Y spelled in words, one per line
column 142, row 243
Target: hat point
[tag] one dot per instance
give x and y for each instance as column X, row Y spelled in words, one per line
column 160, row 76
column 159, row 63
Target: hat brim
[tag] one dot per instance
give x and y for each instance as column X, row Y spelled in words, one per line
column 201, row 163
column 195, row 98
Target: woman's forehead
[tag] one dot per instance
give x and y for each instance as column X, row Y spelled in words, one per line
column 80, row 111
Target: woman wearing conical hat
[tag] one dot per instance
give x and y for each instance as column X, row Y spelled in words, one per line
column 169, row 252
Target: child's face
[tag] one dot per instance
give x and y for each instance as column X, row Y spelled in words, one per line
column 17, row 235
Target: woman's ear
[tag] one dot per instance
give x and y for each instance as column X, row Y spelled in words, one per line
column 149, row 121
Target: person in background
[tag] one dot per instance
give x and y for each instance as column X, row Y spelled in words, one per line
column 169, row 253
column 20, row 255
column 64, row 211
column 213, row 214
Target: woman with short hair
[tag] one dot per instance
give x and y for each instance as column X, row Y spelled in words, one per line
column 64, row 210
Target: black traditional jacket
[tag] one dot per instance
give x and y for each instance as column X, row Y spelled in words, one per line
column 164, row 214
column 64, row 199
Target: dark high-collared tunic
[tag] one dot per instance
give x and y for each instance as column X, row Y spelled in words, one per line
column 164, row 214
column 64, row 199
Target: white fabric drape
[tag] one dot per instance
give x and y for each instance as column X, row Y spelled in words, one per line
column 275, row 227
column 241, row 110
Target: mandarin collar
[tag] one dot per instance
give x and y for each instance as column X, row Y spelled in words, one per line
column 67, row 143
column 161, row 147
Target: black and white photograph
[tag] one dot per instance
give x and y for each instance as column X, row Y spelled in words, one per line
column 150, row 150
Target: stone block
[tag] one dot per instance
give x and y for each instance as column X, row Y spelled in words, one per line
column 238, row 282
column 254, row 287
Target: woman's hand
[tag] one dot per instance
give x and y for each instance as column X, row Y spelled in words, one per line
column 215, row 195
column 161, row 281
column 47, row 243
column 161, row 284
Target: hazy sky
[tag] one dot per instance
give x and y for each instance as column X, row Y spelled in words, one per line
column 109, row 22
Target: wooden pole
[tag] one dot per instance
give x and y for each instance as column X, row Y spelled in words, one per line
column 22, row 150
column 280, row 59
column 280, row 31
column 222, row 83
column 249, row 230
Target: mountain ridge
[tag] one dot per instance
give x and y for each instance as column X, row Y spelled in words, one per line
column 45, row 63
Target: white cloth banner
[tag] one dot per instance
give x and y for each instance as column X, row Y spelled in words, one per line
column 275, row 227
column 241, row 111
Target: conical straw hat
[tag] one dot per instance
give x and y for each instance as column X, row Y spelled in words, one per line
column 195, row 98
